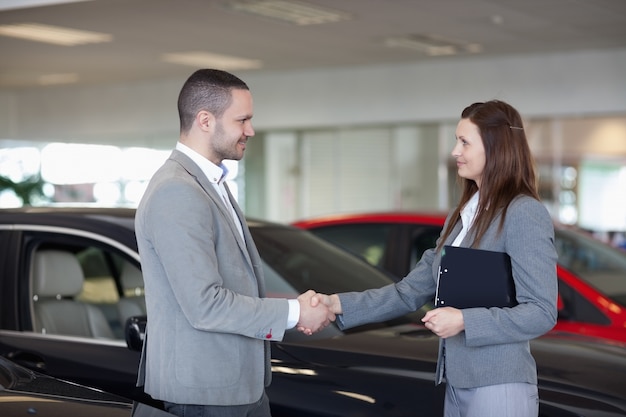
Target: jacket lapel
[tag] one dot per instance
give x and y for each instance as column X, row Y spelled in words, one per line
column 195, row 171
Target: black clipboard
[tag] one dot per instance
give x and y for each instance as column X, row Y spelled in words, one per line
column 474, row 278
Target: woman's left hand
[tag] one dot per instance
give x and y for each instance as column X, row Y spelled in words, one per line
column 444, row 322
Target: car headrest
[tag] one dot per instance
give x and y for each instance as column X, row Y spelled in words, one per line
column 57, row 273
column 131, row 277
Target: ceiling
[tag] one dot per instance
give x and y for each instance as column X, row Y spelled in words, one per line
column 139, row 33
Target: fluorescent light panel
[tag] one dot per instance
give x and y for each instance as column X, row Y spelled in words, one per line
column 210, row 60
column 22, row 78
column 432, row 45
column 290, row 11
column 57, row 79
column 24, row 4
column 53, row 34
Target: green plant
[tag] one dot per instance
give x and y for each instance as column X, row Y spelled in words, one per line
column 28, row 190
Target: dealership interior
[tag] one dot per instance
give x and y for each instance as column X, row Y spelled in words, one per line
column 356, row 102
column 344, row 187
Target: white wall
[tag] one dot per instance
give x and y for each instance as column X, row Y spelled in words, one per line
column 580, row 83
column 410, row 107
column 548, row 85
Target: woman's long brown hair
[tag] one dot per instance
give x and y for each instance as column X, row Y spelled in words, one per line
column 509, row 166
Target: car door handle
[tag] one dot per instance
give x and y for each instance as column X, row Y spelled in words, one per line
column 28, row 360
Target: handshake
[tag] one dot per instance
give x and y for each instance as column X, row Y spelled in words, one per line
column 317, row 311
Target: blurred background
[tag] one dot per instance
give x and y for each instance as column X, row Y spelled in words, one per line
column 356, row 101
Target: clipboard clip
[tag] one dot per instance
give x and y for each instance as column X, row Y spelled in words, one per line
column 437, row 290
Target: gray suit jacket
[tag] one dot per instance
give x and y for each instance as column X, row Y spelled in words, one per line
column 209, row 325
column 493, row 348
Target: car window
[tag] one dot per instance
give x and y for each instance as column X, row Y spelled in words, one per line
column 82, row 288
column 598, row 264
column 368, row 241
column 98, row 268
column 577, row 308
column 304, row 262
column 424, row 238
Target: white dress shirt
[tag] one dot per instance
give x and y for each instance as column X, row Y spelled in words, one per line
column 468, row 214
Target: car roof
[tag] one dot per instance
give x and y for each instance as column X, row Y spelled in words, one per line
column 120, row 216
column 432, row 218
column 98, row 220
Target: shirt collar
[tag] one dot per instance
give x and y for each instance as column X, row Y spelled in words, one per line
column 468, row 213
column 215, row 173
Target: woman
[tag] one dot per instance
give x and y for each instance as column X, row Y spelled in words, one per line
column 484, row 353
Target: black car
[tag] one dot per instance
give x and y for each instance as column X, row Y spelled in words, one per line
column 70, row 279
column 25, row 392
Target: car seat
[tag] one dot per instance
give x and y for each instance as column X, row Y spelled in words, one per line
column 57, row 280
column 134, row 302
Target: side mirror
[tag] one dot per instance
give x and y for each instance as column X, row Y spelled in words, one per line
column 135, row 332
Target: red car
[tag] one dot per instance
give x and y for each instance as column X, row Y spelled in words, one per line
column 592, row 275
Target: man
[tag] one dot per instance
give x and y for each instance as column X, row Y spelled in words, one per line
column 207, row 350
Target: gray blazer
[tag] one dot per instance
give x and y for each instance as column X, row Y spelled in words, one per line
column 209, row 325
column 494, row 347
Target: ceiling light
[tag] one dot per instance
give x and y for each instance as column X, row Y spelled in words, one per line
column 289, row 11
column 210, row 60
column 53, row 34
column 30, row 78
column 432, row 45
column 427, row 48
column 497, row 19
column 56, row 79
column 23, row 4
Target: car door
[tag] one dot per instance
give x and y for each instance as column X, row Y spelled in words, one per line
column 104, row 362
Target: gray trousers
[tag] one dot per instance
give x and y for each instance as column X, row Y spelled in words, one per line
column 259, row 409
column 502, row 400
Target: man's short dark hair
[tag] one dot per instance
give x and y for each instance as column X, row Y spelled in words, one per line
column 209, row 90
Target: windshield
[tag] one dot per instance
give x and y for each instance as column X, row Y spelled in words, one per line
column 597, row 263
column 295, row 261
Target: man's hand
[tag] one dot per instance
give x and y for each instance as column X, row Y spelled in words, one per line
column 444, row 322
column 331, row 301
column 313, row 316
